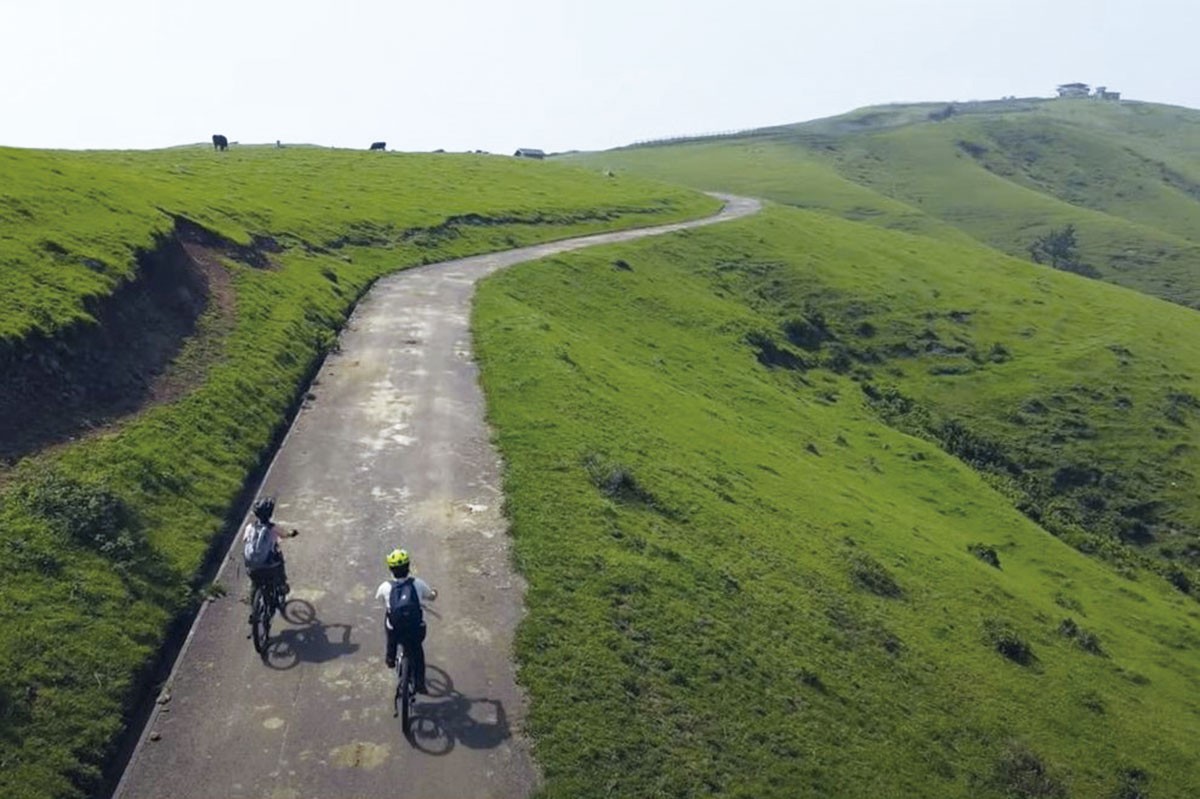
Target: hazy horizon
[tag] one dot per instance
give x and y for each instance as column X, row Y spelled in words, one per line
column 458, row 75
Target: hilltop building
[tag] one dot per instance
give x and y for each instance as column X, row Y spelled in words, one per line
column 528, row 152
column 1074, row 90
column 1083, row 90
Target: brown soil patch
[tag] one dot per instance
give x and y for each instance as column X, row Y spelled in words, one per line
column 152, row 342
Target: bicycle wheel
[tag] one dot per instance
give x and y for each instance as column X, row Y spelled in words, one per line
column 406, row 693
column 260, row 619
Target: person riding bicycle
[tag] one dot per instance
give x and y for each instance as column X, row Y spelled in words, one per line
column 260, row 548
column 404, row 621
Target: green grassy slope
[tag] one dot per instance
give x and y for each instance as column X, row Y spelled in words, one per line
column 70, row 222
column 102, row 540
column 775, row 170
column 748, row 580
column 1127, row 175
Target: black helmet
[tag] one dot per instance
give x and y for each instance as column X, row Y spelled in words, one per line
column 264, row 508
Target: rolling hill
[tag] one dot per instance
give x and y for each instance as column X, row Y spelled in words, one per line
column 1126, row 175
column 995, row 176
column 778, row 517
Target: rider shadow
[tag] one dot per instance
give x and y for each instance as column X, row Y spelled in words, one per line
column 313, row 642
column 446, row 718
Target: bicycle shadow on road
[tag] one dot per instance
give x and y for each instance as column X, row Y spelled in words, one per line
column 312, row 642
column 446, row 718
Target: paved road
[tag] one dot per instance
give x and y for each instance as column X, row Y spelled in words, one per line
column 393, row 450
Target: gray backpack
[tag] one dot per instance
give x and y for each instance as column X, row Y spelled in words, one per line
column 258, row 547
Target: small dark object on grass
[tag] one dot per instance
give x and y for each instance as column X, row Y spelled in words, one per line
column 379, row 145
column 1180, row 580
column 1008, row 642
column 1019, row 772
column 622, row 264
column 985, row 553
column 1135, row 784
column 220, row 142
column 1086, row 641
column 812, row 680
column 871, row 575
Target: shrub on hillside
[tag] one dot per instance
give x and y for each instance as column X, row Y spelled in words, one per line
column 772, row 355
column 616, row 481
column 808, row 334
column 943, row 113
column 985, row 553
column 1060, row 249
column 86, row 514
column 1020, row 773
column 1178, row 578
column 1134, row 784
column 871, row 575
column 1085, row 640
column 1005, row 639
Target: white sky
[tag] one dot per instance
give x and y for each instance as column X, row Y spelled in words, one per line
column 573, row 74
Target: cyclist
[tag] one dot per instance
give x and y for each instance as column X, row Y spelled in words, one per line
column 260, row 548
column 404, row 621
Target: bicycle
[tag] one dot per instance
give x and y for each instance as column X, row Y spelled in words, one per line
column 266, row 597
column 406, row 692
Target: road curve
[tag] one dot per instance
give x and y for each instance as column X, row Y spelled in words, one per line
column 390, row 450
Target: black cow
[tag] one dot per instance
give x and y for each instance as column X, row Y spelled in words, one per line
column 379, row 145
column 220, row 142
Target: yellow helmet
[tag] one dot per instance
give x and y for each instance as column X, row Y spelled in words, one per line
column 397, row 557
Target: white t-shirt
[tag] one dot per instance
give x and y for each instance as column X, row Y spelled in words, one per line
column 384, row 593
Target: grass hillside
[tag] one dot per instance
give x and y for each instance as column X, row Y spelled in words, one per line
column 72, row 222
column 764, row 483
column 104, row 538
column 1126, row 175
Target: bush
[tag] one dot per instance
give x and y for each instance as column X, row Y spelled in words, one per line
column 1179, row 579
column 1021, row 773
column 616, row 481
column 985, row 553
column 1008, row 642
column 808, row 334
column 871, row 575
column 1086, row 641
column 1060, row 249
column 771, row 355
column 1134, row 784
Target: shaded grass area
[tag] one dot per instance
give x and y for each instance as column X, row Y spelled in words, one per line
column 744, row 582
column 1126, row 175
column 104, row 540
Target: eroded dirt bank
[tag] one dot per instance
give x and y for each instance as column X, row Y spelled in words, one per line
column 57, row 390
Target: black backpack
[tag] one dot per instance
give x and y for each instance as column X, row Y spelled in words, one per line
column 404, row 606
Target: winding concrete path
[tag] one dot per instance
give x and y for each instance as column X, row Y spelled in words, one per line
column 392, row 451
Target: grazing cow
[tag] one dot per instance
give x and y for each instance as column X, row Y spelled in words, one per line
column 379, row 145
column 220, row 142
